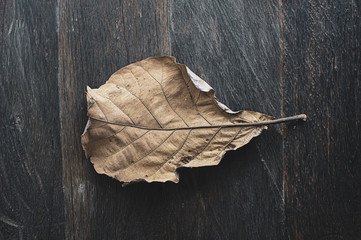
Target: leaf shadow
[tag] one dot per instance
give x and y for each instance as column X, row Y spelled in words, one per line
column 236, row 191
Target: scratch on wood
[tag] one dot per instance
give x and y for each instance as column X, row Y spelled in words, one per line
column 9, row 221
column 273, row 180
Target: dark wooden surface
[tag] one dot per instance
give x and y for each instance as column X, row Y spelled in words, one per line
column 298, row 181
column 321, row 68
column 31, row 196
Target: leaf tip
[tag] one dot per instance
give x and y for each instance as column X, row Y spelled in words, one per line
column 88, row 88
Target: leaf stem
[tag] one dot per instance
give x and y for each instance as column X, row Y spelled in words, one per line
column 254, row 124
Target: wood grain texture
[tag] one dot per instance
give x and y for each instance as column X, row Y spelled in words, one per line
column 321, row 71
column 234, row 45
column 31, row 197
column 299, row 181
column 96, row 39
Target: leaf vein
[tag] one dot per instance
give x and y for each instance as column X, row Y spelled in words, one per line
column 101, row 110
column 142, row 103
column 114, row 134
column 189, row 92
column 152, row 150
column 234, row 137
column 127, row 144
column 210, row 140
column 175, row 153
column 120, row 109
column 165, row 96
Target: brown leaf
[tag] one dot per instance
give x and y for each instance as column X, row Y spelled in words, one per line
column 156, row 115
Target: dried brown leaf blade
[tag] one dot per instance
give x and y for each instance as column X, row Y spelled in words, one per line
column 154, row 116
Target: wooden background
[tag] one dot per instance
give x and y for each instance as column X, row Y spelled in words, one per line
column 297, row 181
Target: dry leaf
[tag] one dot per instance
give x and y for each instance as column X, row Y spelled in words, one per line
column 155, row 116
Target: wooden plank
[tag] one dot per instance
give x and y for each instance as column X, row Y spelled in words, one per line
column 96, row 38
column 31, row 198
column 321, row 71
column 234, row 45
